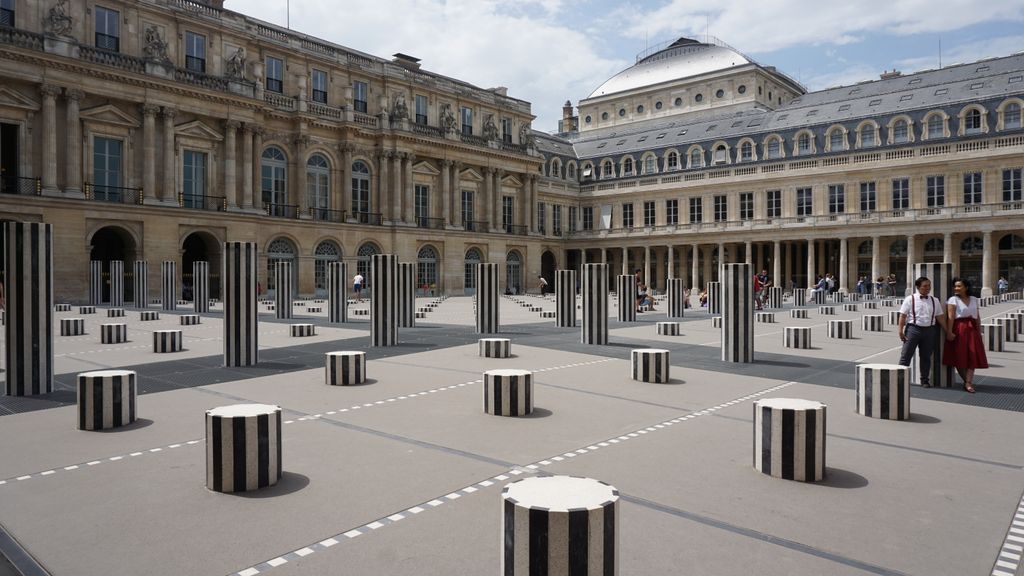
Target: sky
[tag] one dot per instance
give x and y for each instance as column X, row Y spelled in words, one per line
column 550, row 51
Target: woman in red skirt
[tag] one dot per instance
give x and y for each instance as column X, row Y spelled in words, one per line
column 966, row 351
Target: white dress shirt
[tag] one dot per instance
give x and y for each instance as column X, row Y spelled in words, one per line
column 921, row 310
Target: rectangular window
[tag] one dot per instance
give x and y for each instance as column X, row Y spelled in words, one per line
column 421, row 110
column 972, row 188
column 627, row 215
column 868, row 200
column 359, row 95
column 900, row 193
column 672, row 212
column 746, row 206
column 467, row 209
column 773, row 204
column 556, row 219
column 836, row 198
column 320, row 86
column 195, row 52
column 467, row 121
column 721, row 208
column 7, row 13
column 1011, row 116
column 588, row 217
column 508, row 213
column 193, row 179
column 506, row 130
column 1012, row 185
column 936, row 191
column 696, row 210
column 275, row 74
column 804, row 202
column 541, row 212
column 107, row 169
column 573, row 215
column 867, row 137
column 360, row 194
column 108, row 35
column 649, row 214
column 421, row 204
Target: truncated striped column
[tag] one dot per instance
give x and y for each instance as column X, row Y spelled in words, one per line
column 113, row 333
column 1010, row 331
column 117, row 283
column 508, row 392
column 765, row 317
column 495, row 347
column 243, row 447
column 345, row 368
column 798, row 337
column 650, row 365
column 169, row 285
column 201, row 286
column 140, row 283
column 28, row 325
column 774, row 297
column 872, row 322
column 941, row 275
column 870, row 305
column 1019, row 316
column 115, row 312
column 850, row 307
column 69, row 327
column 241, row 308
column 95, row 282
column 595, row 304
column 894, row 317
column 565, row 298
column 789, row 438
column 819, row 297
column 625, row 292
column 487, row 299
column 167, row 341
column 883, row 391
column 992, row 333
column 337, row 292
column 827, row 310
column 800, row 297
column 106, row 399
column 560, row 525
column 798, row 313
column 406, row 294
column 714, row 297
column 668, row 328
column 676, row 298
column 737, row 313
column 384, row 300
column 282, row 289
column 840, row 329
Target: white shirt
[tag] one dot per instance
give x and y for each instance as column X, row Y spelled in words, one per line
column 921, row 311
column 358, row 279
column 969, row 310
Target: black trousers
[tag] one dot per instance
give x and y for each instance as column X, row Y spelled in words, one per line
column 921, row 340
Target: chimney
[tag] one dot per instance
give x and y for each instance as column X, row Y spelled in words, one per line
column 567, row 114
column 890, row 74
column 500, row 90
column 406, row 61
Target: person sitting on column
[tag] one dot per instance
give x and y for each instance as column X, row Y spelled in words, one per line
column 966, row 352
column 357, row 286
column 686, row 298
column 761, row 285
column 830, row 282
column 820, row 285
column 860, row 285
column 704, row 298
column 918, row 316
column 643, row 298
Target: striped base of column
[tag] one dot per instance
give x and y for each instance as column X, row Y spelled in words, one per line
column 849, row 307
column 818, row 297
column 773, row 299
column 789, row 438
column 106, row 399
column 314, row 310
column 800, row 297
column 303, row 330
column 883, row 391
column 764, row 317
column 86, row 309
column 854, row 297
column 115, row 313
column 798, row 337
column 840, row 329
column 668, row 328
column 894, row 317
column 190, row 319
column 149, row 316
column 798, row 313
column 345, row 368
column 1019, row 317
column 495, row 347
column 650, row 365
column 559, row 525
column 536, row 309
column 548, row 314
column 508, row 392
column 425, row 309
column 167, row 341
column 62, row 308
column 113, row 333
column 360, row 312
column 72, row 326
column 421, row 315
column 870, row 305
column 872, row 322
column 243, row 447
column 184, row 302
column 827, row 310
column 837, row 297
column 299, row 304
column 888, row 302
column 1010, row 331
column 716, row 322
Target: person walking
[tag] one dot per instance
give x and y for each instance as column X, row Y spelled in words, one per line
column 543, row 284
column 919, row 315
column 966, row 351
column 1003, row 285
column 357, row 286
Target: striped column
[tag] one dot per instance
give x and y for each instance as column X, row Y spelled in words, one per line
column 559, row 525
column 169, row 285
column 941, row 275
column 28, row 325
column 243, row 447
column 487, row 299
column 495, row 347
column 840, row 329
column 993, row 334
column 337, row 292
column 872, row 322
column 345, row 368
column 116, row 283
column 106, row 399
column 140, row 283
column 799, row 297
column 241, row 308
column 625, row 292
column 676, row 298
column 406, row 294
column 384, row 300
column 95, row 282
column 819, row 297
column 883, row 391
column 595, row 304
column 1010, row 331
column 508, row 392
column 789, row 438
column 565, row 298
column 798, row 313
column 798, row 337
column 715, row 297
column 737, row 313
column 113, row 333
column 650, row 365
column 201, row 286
column 282, row 289
column 774, row 297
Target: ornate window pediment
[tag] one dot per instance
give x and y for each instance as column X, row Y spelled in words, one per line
column 197, row 129
column 14, row 99
column 110, row 114
column 425, row 167
column 471, row 175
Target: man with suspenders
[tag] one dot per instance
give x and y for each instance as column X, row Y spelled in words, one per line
column 918, row 316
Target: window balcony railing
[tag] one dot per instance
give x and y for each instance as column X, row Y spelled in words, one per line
column 476, row 225
column 113, row 194
column 326, row 215
column 371, row 218
column 432, row 223
column 201, row 202
column 21, row 186
column 282, row 210
column 515, row 229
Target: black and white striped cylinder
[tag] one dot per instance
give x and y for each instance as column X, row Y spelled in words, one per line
column 148, row 315
column 714, row 298
column 883, row 391
column 789, row 438
column 1019, row 317
column 565, row 298
column 488, row 301
column 668, row 328
column 190, row 319
column 345, row 368
column 625, row 293
column 337, row 292
column 872, row 322
column 495, row 347
column 800, row 297
column 888, row 302
column 384, row 300
column 243, row 447
column 303, row 330
column 115, row 312
column 849, row 307
column 28, row 319
column 994, row 336
column 72, row 326
column 798, row 313
column 113, row 333
column 827, row 310
column 86, row 309
column 737, row 313
column 941, row 275
column 62, row 308
column 548, row 314
column 201, row 286
column 1010, row 330
column 241, row 306
column 508, row 392
column 650, row 365
column 595, row 304
column 106, row 399
column 168, row 285
column 854, row 297
column 95, row 282
column 773, row 298
column 765, row 317
column 140, row 284
column 560, row 525
column 406, row 294
column 894, row 317
column 167, row 341
column 840, row 329
column 282, row 289
column 676, row 298
column 360, row 312
column 798, row 337
column 870, row 305
column 716, row 322
column 838, row 297
column 819, row 297
column 317, row 310
column 117, row 283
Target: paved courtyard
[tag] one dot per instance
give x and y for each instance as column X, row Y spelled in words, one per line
column 402, row 475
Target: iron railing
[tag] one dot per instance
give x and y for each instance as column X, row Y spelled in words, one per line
column 282, row 210
column 515, row 229
column 22, row 186
column 325, row 215
column 201, row 202
column 371, row 218
column 432, row 223
column 114, row 194
column 476, row 225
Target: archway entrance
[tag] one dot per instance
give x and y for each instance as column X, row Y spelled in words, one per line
column 281, row 249
column 971, row 251
column 547, row 268
column 513, row 272
column 473, row 257
column 113, row 243
column 426, row 271
column 1011, row 260
column 200, row 247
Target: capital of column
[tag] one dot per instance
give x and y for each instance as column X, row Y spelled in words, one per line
column 73, row 94
column 149, row 109
column 49, row 90
column 232, row 125
column 301, row 142
column 169, row 113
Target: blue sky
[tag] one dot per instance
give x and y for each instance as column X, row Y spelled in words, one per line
column 548, row 51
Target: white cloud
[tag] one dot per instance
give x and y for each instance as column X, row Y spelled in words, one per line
column 962, row 53
column 845, row 77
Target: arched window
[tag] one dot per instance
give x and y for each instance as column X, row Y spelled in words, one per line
column 514, row 272
column 803, row 144
column 325, row 252
column 473, row 257
column 556, row 168
column 900, row 132
column 672, row 161
column 837, row 140
column 696, row 158
column 721, row 154
column 865, row 248
column 572, row 171
column 650, row 165
column 627, row 167
column 318, row 187
column 426, row 271
column 936, row 128
column 607, row 170
column 972, row 121
column 934, row 246
column 746, row 152
column 972, row 246
column 280, row 249
column 898, row 248
column 867, row 136
column 361, row 207
column 774, row 150
column 363, row 257
column 1011, row 242
column 1011, row 116
column 274, row 182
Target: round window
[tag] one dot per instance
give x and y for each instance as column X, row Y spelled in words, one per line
column 742, row 89
column 657, row 105
column 720, row 93
column 679, row 101
column 587, row 119
column 699, row 98
column 622, row 112
column 604, row 115
column 640, row 109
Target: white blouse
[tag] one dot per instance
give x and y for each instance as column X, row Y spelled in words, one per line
column 969, row 310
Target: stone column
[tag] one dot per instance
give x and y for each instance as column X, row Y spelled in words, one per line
column 49, row 94
column 947, row 250
column 382, row 190
column 28, row 326
column 73, row 162
column 694, row 269
column 300, row 195
column 257, row 154
column 488, row 299
column 345, row 201
column 531, row 209
column 777, row 278
column 876, row 258
column 987, row 265
column 410, row 197
column 169, row 194
column 844, row 266
column 811, row 262
column 707, row 265
column 625, row 260
column 149, row 112
column 140, row 284
column 748, row 256
column 201, row 287
column 595, row 304
column 239, row 271
column 230, row 169
column 446, row 192
column 95, row 282
column 483, row 211
column 941, row 276
column 169, row 285
column 282, row 289
column 737, row 313
column 647, row 267
column 911, row 261
column 395, row 192
column 116, row 283
column 670, row 271
column 676, row 297
column 247, row 171
column 496, row 202
column 406, row 294
column 625, row 292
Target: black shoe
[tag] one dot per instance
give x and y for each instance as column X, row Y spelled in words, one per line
column 926, row 384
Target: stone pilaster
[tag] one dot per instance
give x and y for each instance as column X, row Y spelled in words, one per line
column 230, row 169
column 73, row 162
column 169, row 193
column 149, row 113
column 49, row 94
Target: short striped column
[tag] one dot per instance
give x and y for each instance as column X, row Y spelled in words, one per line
column 850, row 307
column 165, row 341
column 595, row 304
column 789, row 438
column 282, row 289
column 737, row 313
column 495, row 347
column 548, row 314
column 625, row 293
column 559, row 525
column 994, row 337
column 106, row 399
column 508, row 392
column 62, row 308
column 716, row 322
column 854, row 296
column 1019, row 317
column 838, row 297
column 800, row 297
column 345, row 368
column 148, row 315
column 870, row 305
column 827, row 310
column 190, row 319
column 1010, row 331
column 140, row 284
column 872, row 322
column 488, row 302
column 714, row 297
column 800, row 313
column 840, row 329
column 303, row 330
column 337, row 292
column 201, row 287
column 818, row 297
column 95, row 282
column 883, row 391
column 113, row 333
column 798, row 337
column 894, row 317
column 384, row 300
column 117, row 283
column 773, row 298
column 941, row 276
column 243, row 447
column 28, row 322
column 765, row 317
column 406, row 294
column 86, row 309
column 676, row 298
column 241, row 308
column 169, row 285
column 115, row 312
column 650, row 365
column 668, row 328
column 565, row 298
column 69, row 327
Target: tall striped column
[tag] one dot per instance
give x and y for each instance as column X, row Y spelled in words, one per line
column 715, row 297
column 737, row 313
column 384, row 300
column 487, row 299
column 773, row 298
column 406, row 294
column 565, row 298
column 337, row 292
column 799, row 297
column 241, row 333
column 595, row 304
column 140, row 283
column 676, row 298
column 941, row 275
column 201, row 286
column 28, row 325
column 625, row 292
column 282, row 289
column 169, row 285
column 116, row 283
column 95, row 282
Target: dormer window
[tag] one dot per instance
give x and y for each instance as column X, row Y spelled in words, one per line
column 972, row 122
column 900, row 132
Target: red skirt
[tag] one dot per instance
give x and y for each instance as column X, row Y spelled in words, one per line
column 967, row 350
